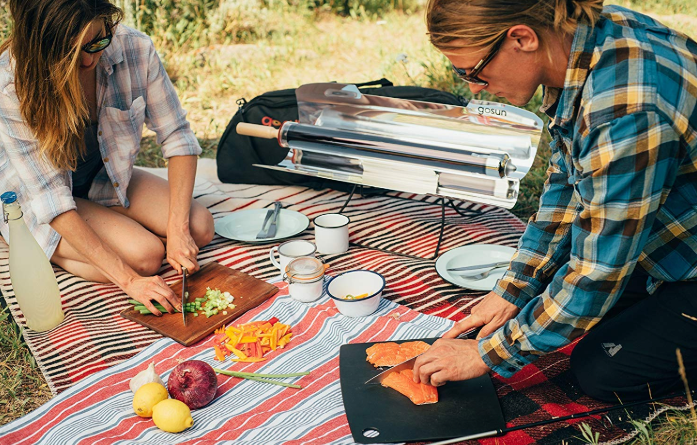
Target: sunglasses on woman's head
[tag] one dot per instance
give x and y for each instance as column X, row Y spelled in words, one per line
column 99, row 43
column 472, row 76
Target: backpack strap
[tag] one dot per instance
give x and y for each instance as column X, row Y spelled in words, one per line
column 375, row 83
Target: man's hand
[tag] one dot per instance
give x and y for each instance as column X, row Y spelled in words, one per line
column 182, row 251
column 145, row 289
column 449, row 360
column 491, row 313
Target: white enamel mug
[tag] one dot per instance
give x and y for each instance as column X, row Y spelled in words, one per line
column 332, row 233
column 291, row 250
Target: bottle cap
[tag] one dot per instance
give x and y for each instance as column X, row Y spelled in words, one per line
column 8, row 197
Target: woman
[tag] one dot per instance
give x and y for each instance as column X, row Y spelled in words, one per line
column 75, row 90
column 612, row 251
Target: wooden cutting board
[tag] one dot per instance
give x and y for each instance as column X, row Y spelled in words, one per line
column 249, row 292
column 382, row 415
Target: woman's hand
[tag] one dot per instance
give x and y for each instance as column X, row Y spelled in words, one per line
column 182, row 251
column 146, row 289
column 491, row 313
column 449, row 360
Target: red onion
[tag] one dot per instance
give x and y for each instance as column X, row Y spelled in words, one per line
column 193, row 382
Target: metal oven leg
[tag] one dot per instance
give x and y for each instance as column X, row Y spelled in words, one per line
column 440, row 234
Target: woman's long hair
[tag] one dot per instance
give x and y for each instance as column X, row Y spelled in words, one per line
column 45, row 46
column 453, row 24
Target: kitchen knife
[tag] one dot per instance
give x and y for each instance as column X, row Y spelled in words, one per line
column 185, row 293
column 274, row 220
column 378, row 379
column 264, row 229
column 409, row 364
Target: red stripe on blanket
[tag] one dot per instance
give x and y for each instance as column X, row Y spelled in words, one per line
column 335, row 429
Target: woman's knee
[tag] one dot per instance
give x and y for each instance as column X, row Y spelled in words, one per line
column 201, row 225
column 146, row 255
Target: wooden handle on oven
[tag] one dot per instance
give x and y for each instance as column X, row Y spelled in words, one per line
column 257, row 131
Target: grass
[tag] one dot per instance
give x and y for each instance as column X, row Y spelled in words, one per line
column 22, row 387
column 231, row 49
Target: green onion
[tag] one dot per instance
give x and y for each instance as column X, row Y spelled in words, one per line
column 145, row 311
column 263, row 377
column 267, row 376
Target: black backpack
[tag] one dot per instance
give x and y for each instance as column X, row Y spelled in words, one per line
column 237, row 154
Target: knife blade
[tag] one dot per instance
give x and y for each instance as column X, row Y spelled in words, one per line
column 378, row 379
column 274, row 220
column 409, row 364
column 263, row 232
column 185, row 293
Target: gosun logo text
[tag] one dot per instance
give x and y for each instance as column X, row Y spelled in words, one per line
column 270, row 122
column 494, row 111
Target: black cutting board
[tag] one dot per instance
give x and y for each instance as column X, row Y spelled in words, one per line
column 463, row 408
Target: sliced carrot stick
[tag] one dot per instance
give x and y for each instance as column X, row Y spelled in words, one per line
column 218, row 354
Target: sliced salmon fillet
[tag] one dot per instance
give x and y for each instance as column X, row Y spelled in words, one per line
column 391, row 354
column 418, row 393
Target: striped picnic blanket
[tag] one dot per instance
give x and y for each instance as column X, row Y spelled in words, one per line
column 97, row 410
column 95, row 338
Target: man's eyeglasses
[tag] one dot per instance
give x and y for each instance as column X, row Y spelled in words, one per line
column 99, row 43
column 472, row 76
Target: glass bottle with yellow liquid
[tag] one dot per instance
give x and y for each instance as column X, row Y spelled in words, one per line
column 33, row 280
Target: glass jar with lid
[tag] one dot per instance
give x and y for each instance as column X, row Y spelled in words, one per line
column 305, row 278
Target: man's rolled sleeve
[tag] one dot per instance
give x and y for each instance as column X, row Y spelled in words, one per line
column 525, row 288
column 164, row 114
column 502, row 357
column 545, row 243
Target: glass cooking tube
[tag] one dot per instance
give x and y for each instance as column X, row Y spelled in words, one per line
column 318, row 139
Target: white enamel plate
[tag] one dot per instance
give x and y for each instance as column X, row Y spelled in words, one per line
column 473, row 255
column 243, row 225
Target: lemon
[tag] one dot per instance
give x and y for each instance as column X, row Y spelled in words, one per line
column 147, row 397
column 172, row 416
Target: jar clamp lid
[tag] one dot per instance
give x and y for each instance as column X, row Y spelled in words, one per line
column 304, row 270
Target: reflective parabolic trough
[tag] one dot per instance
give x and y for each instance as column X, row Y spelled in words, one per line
column 477, row 152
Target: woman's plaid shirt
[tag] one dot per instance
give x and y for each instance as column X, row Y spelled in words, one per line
column 132, row 89
column 621, row 186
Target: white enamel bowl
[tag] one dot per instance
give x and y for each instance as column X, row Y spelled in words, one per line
column 356, row 282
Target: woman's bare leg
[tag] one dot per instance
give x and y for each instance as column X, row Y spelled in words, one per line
column 137, row 246
column 136, row 233
column 149, row 205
